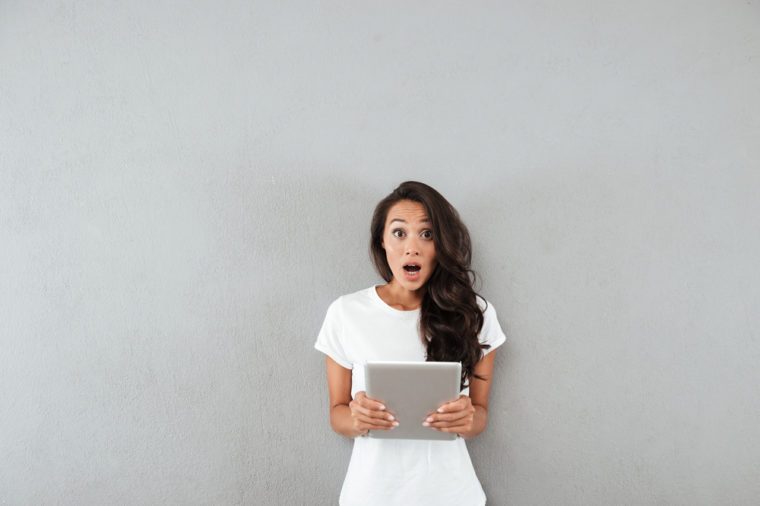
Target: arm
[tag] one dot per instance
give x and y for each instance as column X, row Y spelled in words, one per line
column 339, row 385
column 355, row 417
column 479, row 395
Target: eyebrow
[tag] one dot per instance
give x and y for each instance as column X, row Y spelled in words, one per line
column 403, row 221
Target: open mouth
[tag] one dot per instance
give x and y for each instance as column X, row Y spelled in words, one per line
column 411, row 268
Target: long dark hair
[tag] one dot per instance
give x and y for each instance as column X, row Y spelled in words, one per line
column 450, row 317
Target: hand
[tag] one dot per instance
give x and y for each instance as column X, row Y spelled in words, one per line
column 455, row 416
column 370, row 414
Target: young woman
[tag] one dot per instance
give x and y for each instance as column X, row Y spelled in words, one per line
column 427, row 310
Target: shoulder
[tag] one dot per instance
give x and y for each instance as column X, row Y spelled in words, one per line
column 491, row 333
column 484, row 305
column 349, row 302
column 489, row 312
column 359, row 296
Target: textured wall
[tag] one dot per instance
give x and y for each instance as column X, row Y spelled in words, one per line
column 185, row 186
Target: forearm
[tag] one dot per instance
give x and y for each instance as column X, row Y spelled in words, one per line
column 342, row 422
column 479, row 422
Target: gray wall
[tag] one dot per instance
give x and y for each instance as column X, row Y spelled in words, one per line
column 184, row 187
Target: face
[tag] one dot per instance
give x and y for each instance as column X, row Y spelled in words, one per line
column 408, row 244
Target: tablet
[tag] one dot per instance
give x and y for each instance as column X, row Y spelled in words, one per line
column 410, row 391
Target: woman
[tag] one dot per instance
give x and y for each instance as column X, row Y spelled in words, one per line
column 427, row 310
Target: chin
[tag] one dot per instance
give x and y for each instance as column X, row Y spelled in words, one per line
column 412, row 286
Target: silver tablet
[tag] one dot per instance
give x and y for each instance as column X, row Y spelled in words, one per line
column 411, row 390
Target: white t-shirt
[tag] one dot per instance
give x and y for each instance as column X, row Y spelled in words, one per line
column 361, row 327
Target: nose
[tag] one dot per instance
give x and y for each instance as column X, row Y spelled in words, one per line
column 412, row 248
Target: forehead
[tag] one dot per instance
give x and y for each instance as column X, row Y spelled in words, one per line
column 407, row 210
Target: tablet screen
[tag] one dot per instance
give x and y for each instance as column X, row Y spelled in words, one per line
column 410, row 391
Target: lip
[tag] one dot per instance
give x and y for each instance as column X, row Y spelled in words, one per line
column 412, row 276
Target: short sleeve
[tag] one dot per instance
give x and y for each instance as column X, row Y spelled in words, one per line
column 330, row 338
column 491, row 332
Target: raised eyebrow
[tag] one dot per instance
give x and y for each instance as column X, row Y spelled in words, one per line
column 426, row 220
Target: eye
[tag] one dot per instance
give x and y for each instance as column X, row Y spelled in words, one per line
column 427, row 234
column 397, row 232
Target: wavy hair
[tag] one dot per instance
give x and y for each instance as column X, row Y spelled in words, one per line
column 450, row 317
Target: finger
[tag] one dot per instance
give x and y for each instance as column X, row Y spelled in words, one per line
column 453, row 411
column 366, row 422
column 370, row 413
column 366, row 404
column 455, row 423
column 456, row 405
column 369, row 402
column 449, row 423
column 458, row 428
column 449, row 417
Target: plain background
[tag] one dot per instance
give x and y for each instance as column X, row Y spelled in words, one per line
column 186, row 186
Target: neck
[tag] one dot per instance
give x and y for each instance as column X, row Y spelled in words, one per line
column 400, row 296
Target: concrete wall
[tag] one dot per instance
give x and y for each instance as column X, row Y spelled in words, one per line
column 185, row 186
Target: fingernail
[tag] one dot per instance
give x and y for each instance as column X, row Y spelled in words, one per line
column 382, row 407
column 395, row 424
column 426, row 424
column 429, row 419
column 440, row 410
column 391, row 417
